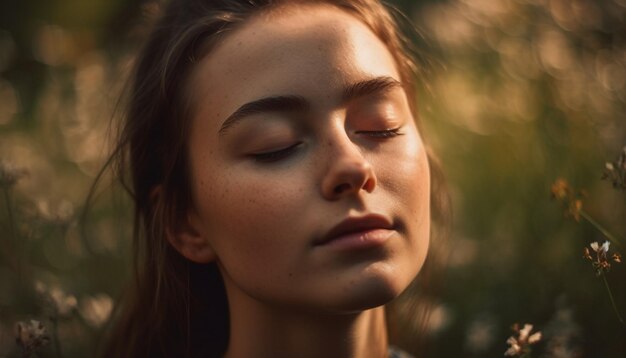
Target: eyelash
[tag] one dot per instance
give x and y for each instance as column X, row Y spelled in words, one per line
column 384, row 134
column 277, row 155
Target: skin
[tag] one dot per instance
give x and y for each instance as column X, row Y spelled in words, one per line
column 259, row 219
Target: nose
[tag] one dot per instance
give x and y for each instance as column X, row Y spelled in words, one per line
column 348, row 172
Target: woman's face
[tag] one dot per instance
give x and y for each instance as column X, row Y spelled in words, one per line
column 309, row 178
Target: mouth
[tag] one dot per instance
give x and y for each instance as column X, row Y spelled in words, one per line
column 359, row 232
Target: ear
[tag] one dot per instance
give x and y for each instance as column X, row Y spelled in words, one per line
column 185, row 234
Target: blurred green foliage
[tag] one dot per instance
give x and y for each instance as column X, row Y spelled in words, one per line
column 514, row 94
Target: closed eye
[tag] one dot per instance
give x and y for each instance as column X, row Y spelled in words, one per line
column 275, row 155
column 387, row 133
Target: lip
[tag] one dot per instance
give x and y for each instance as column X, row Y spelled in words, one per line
column 359, row 232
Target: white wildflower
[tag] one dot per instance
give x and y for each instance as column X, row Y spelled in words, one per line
column 523, row 333
column 520, row 345
column 601, row 249
column 534, row 338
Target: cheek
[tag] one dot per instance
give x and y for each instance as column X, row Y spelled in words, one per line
column 407, row 179
column 418, row 194
column 415, row 185
column 250, row 219
column 405, row 173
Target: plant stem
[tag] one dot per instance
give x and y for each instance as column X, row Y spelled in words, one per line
column 13, row 231
column 608, row 289
column 55, row 337
column 600, row 228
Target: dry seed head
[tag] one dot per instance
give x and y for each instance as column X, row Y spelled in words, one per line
column 31, row 336
column 560, row 189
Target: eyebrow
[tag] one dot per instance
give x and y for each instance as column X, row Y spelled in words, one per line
column 267, row 104
column 294, row 103
column 375, row 85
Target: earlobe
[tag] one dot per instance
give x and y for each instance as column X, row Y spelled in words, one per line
column 189, row 242
column 183, row 233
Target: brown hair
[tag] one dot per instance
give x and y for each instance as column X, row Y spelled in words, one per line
column 174, row 306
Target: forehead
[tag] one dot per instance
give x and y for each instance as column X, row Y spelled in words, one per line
column 312, row 51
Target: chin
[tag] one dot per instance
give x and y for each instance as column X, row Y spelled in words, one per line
column 374, row 290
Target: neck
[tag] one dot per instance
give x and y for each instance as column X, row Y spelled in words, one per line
column 258, row 330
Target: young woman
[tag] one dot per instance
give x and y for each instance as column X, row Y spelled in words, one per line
column 282, row 190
